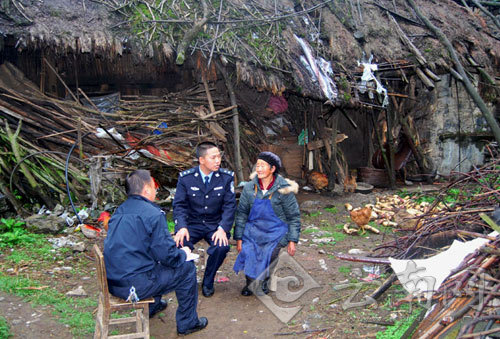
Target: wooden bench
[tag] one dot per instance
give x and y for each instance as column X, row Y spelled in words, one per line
column 109, row 304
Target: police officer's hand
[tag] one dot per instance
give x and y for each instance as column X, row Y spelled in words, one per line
column 220, row 237
column 238, row 245
column 291, row 248
column 180, row 235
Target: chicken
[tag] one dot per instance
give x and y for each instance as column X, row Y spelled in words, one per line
column 350, row 182
column 361, row 217
column 318, row 180
column 104, row 219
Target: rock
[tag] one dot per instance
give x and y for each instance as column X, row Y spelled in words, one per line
column 78, row 247
column 357, row 272
column 310, row 206
column 90, row 232
column 315, row 300
column 40, row 223
column 321, row 252
column 78, row 292
column 70, row 242
column 322, row 240
column 4, row 204
column 58, row 210
column 356, row 251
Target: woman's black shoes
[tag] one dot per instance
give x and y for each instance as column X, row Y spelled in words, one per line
column 246, row 291
column 258, row 288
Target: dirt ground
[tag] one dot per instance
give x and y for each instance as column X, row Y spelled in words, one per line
column 323, row 311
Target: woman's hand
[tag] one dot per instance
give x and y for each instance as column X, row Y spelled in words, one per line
column 238, row 245
column 291, row 248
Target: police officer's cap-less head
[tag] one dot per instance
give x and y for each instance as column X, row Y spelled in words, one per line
column 140, row 182
column 209, row 157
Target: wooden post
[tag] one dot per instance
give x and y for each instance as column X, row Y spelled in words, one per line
column 390, row 142
column 334, row 169
column 236, row 123
column 380, row 144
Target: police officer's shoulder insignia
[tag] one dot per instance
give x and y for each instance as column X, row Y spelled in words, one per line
column 232, row 186
column 186, row 172
column 226, row 171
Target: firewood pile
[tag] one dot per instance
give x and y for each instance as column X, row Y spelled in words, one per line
column 158, row 133
column 467, row 302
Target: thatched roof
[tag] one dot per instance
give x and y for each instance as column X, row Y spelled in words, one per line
column 257, row 37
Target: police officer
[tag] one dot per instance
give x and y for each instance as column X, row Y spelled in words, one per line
column 142, row 259
column 204, row 207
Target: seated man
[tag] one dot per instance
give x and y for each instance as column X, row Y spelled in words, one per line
column 204, row 207
column 139, row 252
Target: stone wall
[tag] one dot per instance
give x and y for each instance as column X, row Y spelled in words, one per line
column 453, row 127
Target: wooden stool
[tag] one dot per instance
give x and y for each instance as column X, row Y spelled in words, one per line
column 108, row 304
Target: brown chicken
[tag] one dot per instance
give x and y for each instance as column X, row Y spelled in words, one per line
column 318, row 180
column 350, row 183
column 361, row 217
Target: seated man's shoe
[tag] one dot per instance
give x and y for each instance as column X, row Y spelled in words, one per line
column 202, row 323
column 246, row 292
column 158, row 308
column 207, row 291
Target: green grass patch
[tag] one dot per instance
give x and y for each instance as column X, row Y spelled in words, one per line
column 310, row 230
column 4, row 329
column 338, row 236
column 13, row 232
column 171, row 226
column 76, row 313
column 345, row 269
column 400, row 328
column 314, row 214
column 38, row 254
column 332, row 209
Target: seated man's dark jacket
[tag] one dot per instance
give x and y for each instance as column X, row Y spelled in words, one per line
column 137, row 242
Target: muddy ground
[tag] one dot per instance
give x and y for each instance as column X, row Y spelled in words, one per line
column 325, row 311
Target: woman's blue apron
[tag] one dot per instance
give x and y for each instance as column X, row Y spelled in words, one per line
column 262, row 233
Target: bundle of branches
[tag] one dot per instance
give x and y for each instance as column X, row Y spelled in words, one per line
column 471, row 193
column 472, row 291
column 164, row 129
column 220, row 26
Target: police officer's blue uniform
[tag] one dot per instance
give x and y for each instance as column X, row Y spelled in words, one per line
column 139, row 251
column 202, row 210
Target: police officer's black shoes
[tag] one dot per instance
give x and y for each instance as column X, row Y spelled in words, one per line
column 207, row 291
column 202, row 323
column 158, row 308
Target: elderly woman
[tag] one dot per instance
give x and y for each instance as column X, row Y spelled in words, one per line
column 267, row 219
